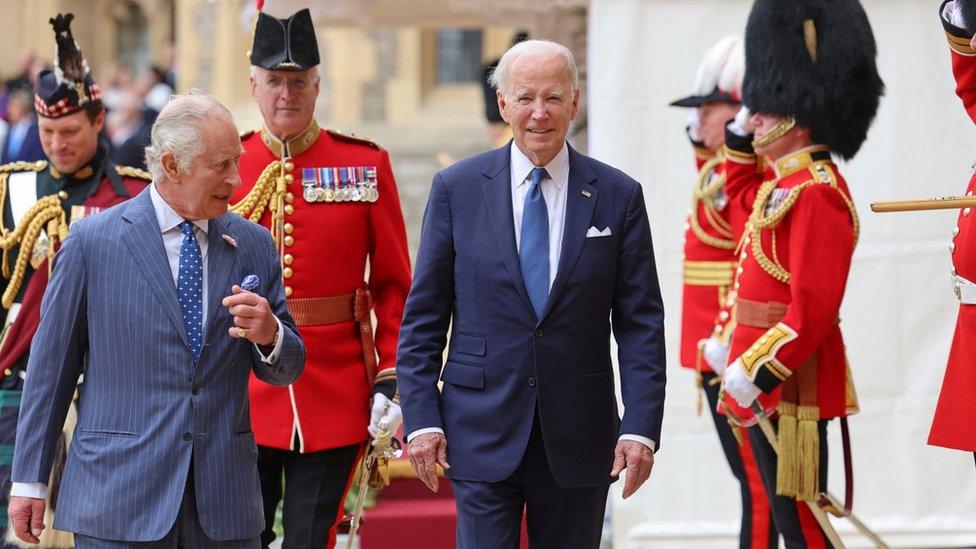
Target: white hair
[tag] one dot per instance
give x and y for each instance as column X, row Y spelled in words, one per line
column 178, row 130
column 317, row 68
column 499, row 76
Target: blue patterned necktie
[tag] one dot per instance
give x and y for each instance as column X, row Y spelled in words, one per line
column 534, row 246
column 189, row 286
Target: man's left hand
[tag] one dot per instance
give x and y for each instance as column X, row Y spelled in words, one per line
column 252, row 313
column 385, row 414
column 737, row 384
column 638, row 459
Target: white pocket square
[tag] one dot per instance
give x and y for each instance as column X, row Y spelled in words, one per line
column 593, row 232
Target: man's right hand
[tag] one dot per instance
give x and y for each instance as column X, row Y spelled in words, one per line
column 427, row 451
column 26, row 517
column 716, row 354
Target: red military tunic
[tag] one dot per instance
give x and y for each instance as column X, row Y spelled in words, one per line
column 794, row 262
column 954, row 425
column 709, row 258
column 325, row 247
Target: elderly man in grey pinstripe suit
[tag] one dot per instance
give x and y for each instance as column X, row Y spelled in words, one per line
column 147, row 307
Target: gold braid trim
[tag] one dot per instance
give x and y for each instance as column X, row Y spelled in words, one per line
column 258, row 199
column 24, row 166
column 129, row 171
column 758, row 220
column 47, row 211
column 702, row 195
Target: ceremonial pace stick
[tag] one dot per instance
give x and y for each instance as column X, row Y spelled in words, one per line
column 920, row 205
column 815, row 508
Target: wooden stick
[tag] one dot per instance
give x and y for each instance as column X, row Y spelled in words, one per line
column 944, row 203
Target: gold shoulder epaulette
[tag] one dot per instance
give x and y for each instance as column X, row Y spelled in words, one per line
column 129, row 171
column 245, row 135
column 24, row 166
column 355, row 138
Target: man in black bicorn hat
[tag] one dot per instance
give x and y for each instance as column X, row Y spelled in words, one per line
column 812, row 85
column 77, row 181
column 331, row 203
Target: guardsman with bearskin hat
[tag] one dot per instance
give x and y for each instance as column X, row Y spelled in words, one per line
column 330, row 201
column 709, row 264
column 953, row 426
column 40, row 200
column 812, row 85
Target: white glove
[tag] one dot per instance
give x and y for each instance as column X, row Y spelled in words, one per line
column 716, row 354
column 741, row 122
column 738, row 385
column 382, row 415
column 953, row 14
column 694, row 126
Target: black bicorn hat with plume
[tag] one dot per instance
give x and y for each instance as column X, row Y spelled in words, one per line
column 70, row 86
column 814, row 60
column 285, row 44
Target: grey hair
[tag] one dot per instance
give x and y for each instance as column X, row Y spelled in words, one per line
column 499, row 76
column 178, row 130
column 318, row 71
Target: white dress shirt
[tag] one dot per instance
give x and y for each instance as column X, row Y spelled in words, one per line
column 554, row 191
column 169, row 226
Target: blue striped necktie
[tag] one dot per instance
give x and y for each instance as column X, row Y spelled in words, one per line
column 534, row 245
column 189, row 286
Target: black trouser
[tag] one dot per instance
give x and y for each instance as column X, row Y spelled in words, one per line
column 754, row 531
column 314, row 487
column 793, row 518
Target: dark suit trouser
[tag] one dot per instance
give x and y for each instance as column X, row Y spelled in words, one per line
column 186, row 532
column 490, row 513
column 793, row 518
column 756, row 528
column 315, row 486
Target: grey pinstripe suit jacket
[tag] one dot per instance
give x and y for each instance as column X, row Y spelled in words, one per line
column 112, row 308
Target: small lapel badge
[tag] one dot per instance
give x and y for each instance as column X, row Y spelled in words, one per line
column 230, row 240
column 586, row 193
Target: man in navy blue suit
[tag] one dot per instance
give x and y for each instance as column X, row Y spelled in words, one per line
column 530, row 253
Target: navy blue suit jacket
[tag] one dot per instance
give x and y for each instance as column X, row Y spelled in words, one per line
column 112, row 310
column 503, row 363
column 30, row 150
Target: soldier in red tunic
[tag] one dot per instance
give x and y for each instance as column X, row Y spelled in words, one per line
column 39, row 202
column 953, row 426
column 709, row 262
column 331, row 204
column 812, row 83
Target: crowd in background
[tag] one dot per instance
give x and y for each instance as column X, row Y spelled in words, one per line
column 132, row 101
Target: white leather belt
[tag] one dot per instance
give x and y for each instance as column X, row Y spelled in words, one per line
column 964, row 289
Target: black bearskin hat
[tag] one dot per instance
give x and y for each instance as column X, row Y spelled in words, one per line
column 814, row 60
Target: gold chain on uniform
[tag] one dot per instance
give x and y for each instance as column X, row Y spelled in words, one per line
column 703, row 195
column 758, row 221
column 46, row 211
column 267, row 193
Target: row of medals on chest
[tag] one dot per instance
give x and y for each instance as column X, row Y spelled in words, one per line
column 355, row 184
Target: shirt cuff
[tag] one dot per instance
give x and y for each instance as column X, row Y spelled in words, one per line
column 643, row 440
column 272, row 357
column 34, row 490
column 424, row 431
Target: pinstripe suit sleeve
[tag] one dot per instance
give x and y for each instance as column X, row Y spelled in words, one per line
column 56, row 357
column 291, row 361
